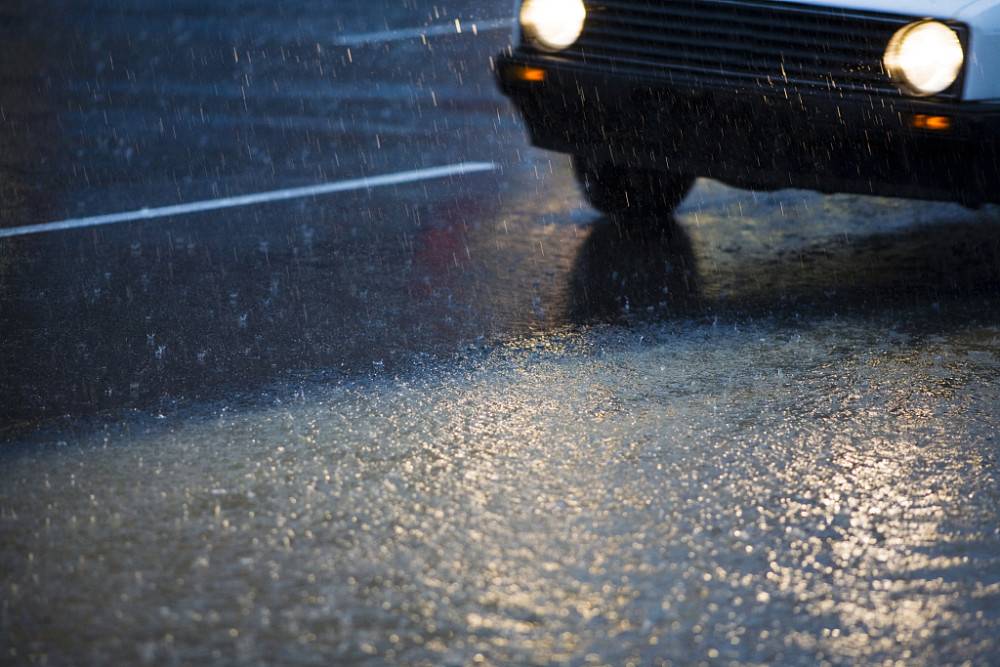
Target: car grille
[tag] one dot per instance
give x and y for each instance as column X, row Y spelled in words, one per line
column 757, row 42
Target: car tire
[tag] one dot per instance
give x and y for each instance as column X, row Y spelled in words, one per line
column 623, row 192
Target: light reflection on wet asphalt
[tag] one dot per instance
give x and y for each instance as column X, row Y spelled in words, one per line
column 472, row 421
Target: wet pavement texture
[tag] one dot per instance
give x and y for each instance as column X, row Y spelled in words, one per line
column 466, row 420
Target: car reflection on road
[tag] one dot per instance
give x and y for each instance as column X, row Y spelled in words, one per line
column 645, row 270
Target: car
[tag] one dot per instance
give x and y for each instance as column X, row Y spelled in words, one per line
column 897, row 98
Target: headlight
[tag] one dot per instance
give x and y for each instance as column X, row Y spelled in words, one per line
column 924, row 58
column 552, row 24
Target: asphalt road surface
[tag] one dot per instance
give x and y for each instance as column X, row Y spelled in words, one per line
column 450, row 415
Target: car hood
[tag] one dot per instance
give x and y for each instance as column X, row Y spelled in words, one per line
column 928, row 8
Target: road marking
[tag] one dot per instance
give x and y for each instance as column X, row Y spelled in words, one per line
column 365, row 183
column 455, row 28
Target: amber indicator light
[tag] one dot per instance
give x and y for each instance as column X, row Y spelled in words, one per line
column 529, row 74
column 936, row 123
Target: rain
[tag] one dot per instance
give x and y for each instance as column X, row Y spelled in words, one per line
column 405, row 332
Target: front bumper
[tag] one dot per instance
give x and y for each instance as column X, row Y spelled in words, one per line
column 760, row 139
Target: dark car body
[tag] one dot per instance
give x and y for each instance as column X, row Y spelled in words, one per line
column 759, row 94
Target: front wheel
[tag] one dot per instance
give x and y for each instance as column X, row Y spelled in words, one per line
column 620, row 191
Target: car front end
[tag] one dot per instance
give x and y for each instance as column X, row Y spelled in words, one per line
column 765, row 94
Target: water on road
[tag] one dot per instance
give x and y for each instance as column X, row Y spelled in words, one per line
column 464, row 420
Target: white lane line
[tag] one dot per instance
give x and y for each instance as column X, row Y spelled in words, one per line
column 365, row 183
column 454, row 28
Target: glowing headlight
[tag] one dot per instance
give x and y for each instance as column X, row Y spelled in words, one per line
column 552, row 24
column 924, row 57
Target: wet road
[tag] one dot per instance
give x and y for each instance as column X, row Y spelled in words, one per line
column 461, row 419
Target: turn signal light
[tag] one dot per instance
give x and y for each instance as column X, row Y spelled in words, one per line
column 935, row 123
column 533, row 74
